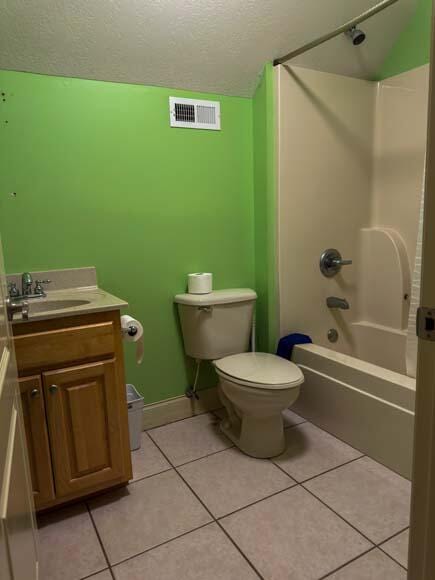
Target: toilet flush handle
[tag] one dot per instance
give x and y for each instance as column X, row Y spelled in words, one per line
column 205, row 308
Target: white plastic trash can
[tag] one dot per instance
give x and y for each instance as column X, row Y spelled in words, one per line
column 135, row 416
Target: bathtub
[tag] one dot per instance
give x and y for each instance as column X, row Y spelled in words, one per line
column 365, row 405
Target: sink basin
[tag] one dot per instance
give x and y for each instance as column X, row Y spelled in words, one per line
column 51, row 305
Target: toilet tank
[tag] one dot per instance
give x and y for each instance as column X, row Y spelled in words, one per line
column 217, row 324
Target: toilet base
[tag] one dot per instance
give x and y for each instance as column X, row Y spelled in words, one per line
column 258, row 431
column 271, row 446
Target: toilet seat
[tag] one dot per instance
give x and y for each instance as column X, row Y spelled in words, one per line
column 260, row 370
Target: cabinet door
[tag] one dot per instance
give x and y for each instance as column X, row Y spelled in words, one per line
column 35, row 423
column 84, row 411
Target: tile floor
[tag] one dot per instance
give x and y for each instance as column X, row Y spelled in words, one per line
column 198, row 509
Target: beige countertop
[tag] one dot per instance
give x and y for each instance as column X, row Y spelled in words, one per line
column 84, row 298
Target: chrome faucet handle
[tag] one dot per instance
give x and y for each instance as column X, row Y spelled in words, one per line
column 38, row 286
column 331, row 262
column 13, row 290
column 341, row 262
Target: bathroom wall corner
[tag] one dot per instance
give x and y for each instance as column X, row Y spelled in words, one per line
column 265, row 210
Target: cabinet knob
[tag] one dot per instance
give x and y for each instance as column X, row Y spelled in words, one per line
column 53, row 388
column 34, row 393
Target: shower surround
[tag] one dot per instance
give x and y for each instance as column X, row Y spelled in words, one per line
column 350, row 176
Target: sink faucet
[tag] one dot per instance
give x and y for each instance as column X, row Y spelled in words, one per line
column 334, row 302
column 26, row 284
column 26, row 288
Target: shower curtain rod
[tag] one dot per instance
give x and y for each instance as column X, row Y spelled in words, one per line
column 350, row 24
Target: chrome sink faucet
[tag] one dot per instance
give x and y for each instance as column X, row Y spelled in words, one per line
column 26, row 288
column 26, row 284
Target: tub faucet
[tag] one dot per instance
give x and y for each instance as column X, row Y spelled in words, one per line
column 334, row 302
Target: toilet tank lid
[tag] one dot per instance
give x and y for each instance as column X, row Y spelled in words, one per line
column 217, row 297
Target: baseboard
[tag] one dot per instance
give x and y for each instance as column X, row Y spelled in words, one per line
column 176, row 408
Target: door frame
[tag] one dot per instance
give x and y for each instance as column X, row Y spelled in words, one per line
column 421, row 565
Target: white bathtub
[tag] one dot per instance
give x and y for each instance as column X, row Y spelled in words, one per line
column 365, row 405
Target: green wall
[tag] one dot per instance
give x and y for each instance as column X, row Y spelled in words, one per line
column 412, row 49
column 265, row 210
column 101, row 179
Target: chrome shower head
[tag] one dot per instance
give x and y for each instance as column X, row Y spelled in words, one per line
column 355, row 35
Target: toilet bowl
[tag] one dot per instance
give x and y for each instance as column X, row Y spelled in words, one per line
column 255, row 388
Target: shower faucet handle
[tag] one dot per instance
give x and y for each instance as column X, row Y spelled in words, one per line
column 341, row 262
column 331, row 262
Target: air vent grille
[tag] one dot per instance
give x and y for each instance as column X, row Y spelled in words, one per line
column 184, row 113
column 193, row 114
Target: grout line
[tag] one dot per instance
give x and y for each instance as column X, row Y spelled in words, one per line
column 389, row 555
column 213, row 518
column 133, row 481
column 391, row 558
column 204, row 456
column 394, row 535
column 99, row 539
column 245, row 557
column 340, row 516
column 210, row 412
column 94, row 574
column 329, row 574
column 332, row 469
column 159, row 545
column 219, row 518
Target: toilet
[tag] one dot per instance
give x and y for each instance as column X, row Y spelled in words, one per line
column 254, row 387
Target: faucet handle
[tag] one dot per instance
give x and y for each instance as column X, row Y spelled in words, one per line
column 38, row 286
column 13, row 290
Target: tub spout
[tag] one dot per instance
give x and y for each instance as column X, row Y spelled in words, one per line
column 334, row 302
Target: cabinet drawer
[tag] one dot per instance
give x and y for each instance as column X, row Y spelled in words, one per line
column 56, row 347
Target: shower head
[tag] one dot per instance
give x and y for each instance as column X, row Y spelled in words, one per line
column 355, row 35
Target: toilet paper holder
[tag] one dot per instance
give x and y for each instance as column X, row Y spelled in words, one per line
column 132, row 330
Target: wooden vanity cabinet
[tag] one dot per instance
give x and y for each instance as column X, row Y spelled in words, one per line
column 71, row 376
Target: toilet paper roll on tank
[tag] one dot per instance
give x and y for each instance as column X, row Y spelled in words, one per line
column 200, row 283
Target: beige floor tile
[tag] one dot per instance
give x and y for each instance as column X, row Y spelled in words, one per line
column 69, row 546
column 105, row 575
column 311, row 451
column 372, row 566
column 291, row 419
column 368, row 495
column 206, row 554
column 397, row 547
column 293, row 536
column 230, row 480
column 147, row 460
column 190, row 439
column 146, row 514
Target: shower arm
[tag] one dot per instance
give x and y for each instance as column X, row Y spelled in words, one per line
column 340, row 30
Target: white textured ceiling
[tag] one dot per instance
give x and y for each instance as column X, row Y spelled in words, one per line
column 207, row 45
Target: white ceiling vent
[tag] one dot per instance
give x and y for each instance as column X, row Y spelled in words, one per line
column 194, row 114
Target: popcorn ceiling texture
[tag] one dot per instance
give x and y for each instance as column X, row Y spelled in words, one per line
column 209, row 45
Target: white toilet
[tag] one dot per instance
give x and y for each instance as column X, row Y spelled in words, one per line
column 254, row 387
